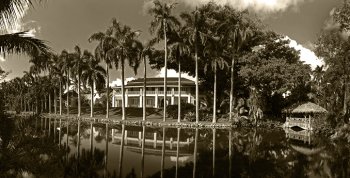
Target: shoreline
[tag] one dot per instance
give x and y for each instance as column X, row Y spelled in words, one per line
column 152, row 122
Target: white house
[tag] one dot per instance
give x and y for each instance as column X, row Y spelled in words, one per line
column 154, row 92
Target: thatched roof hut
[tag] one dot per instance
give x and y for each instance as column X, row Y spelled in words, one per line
column 309, row 108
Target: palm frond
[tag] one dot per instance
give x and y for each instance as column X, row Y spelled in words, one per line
column 22, row 43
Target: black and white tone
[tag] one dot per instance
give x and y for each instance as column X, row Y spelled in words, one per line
column 175, row 88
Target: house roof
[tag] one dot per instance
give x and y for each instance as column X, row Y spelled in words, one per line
column 159, row 81
column 309, row 108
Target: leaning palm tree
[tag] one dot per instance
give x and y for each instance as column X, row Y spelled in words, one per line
column 195, row 25
column 179, row 50
column 124, row 48
column 78, row 66
column 10, row 12
column 93, row 75
column 101, row 54
column 163, row 21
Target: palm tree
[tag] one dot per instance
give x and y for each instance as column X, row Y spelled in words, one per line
column 145, row 51
column 93, row 75
column 67, row 60
column 79, row 65
column 101, row 54
column 58, row 76
column 194, row 24
column 124, row 47
column 213, row 51
column 21, row 42
column 237, row 32
column 163, row 21
column 180, row 49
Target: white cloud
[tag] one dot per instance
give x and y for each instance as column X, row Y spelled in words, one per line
column 265, row 6
column 118, row 81
column 306, row 55
column 173, row 73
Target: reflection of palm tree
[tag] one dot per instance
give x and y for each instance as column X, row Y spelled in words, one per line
column 195, row 154
column 121, row 152
column 177, row 150
column 143, row 151
column 163, row 155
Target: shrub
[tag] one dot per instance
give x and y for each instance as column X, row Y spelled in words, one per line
column 172, row 110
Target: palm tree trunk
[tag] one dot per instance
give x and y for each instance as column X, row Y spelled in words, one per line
column 107, row 94
column 79, row 98
column 197, row 84
column 45, row 103
column 55, row 100
column 214, row 104
column 92, row 100
column 144, row 91
column 165, row 69
column 60, row 97
column 68, row 83
column 49, row 102
column 231, row 89
column 123, row 92
column 179, row 96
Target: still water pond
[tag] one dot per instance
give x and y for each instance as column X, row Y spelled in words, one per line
column 48, row 148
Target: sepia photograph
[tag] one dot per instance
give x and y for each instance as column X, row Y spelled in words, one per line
column 174, row 88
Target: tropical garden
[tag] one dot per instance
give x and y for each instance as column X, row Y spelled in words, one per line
column 254, row 68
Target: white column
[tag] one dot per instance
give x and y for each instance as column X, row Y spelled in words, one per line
column 172, row 96
column 126, row 137
column 140, row 100
column 156, row 99
column 140, row 138
column 189, row 98
column 155, row 140
column 126, row 98
column 113, row 99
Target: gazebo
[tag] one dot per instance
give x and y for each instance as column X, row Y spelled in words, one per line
column 303, row 116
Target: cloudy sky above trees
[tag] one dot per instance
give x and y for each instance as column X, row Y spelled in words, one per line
column 66, row 23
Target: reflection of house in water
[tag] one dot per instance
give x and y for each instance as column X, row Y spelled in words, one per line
column 301, row 135
column 153, row 143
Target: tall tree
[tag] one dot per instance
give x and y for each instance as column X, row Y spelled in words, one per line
column 236, row 29
column 94, row 76
column 195, row 24
column 124, row 48
column 146, row 51
column 78, row 65
column 179, row 50
column 101, row 54
column 67, row 60
column 163, row 22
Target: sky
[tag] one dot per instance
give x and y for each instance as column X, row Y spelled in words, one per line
column 66, row 23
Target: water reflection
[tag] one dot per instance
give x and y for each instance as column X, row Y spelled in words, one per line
column 92, row 149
